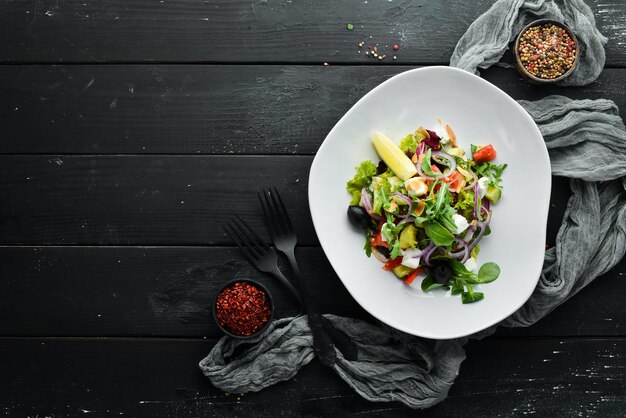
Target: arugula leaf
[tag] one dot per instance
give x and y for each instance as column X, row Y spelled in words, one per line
column 363, row 177
column 492, row 172
column 473, row 149
column 383, row 196
column 442, row 198
column 390, row 232
column 382, row 189
column 438, row 234
column 426, row 168
column 446, row 219
column 396, row 251
column 429, row 284
column 408, row 143
column 368, row 243
column 488, row 272
column 440, row 202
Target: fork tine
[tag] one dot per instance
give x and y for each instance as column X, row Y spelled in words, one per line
column 269, row 222
column 244, row 242
column 253, row 238
column 284, row 214
column 273, row 216
column 232, row 233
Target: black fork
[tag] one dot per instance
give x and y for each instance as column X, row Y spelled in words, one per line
column 256, row 251
column 284, row 238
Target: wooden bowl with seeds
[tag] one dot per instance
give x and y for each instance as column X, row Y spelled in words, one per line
column 546, row 51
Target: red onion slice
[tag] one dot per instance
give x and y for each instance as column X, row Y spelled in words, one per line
column 427, row 253
column 366, row 202
column 469, row 234
column 486, row 203
column 482, row 225
column 421, row 149
column 463, row 254
column 445, row 156
column 474, row 181
column 407, row 200
column 403, row 197
column 379, row 256
column 451, row 160
column 418, row 165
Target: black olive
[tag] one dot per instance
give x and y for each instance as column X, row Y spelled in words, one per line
column 441, row 272
column 358, row 217
column 382, row 167
column 384, row 251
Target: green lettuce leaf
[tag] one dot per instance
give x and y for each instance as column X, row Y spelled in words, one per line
column 408, row 143
column 363, row 177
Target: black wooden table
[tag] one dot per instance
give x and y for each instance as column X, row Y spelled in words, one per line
column 129, row 129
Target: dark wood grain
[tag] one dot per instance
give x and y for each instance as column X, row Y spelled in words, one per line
column 195, row 109
column 155, row 200
column 257, row 31
column 130, row 291
column 546, row 377
column 115, row 171
column 142, row 200
column 167, row 291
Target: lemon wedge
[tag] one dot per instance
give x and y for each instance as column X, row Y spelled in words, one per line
column 393, row 156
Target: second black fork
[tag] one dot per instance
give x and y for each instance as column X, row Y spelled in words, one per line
column 284, row 237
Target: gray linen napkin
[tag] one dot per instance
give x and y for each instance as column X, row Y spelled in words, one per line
column 487, row 39
column 586, row 140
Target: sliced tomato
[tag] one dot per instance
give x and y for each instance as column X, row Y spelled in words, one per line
column 485, row 154
column 392, row 264
column 377, row 241
column 408, row 279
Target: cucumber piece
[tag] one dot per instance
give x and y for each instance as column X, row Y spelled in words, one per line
column 402, row 271
column 493, row 194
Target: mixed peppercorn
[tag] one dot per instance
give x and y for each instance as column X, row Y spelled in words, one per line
column 547, row 51
column 243, row 308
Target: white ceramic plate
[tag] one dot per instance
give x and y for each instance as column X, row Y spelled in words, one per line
column 479, row 113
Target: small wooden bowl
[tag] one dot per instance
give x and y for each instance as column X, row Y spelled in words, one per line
column 523, row 71
column 260, row 287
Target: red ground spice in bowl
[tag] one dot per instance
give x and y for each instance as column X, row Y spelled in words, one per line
column 546, row 51
column 243, row 308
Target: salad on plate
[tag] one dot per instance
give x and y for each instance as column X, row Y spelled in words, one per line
column 426, row 206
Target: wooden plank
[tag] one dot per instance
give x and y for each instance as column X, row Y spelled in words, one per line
column 546, row 377
column 130, row 291
column 165, row 291
column 155, row 200
column 195, row 109
column 259, row 31
column 142, row 200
